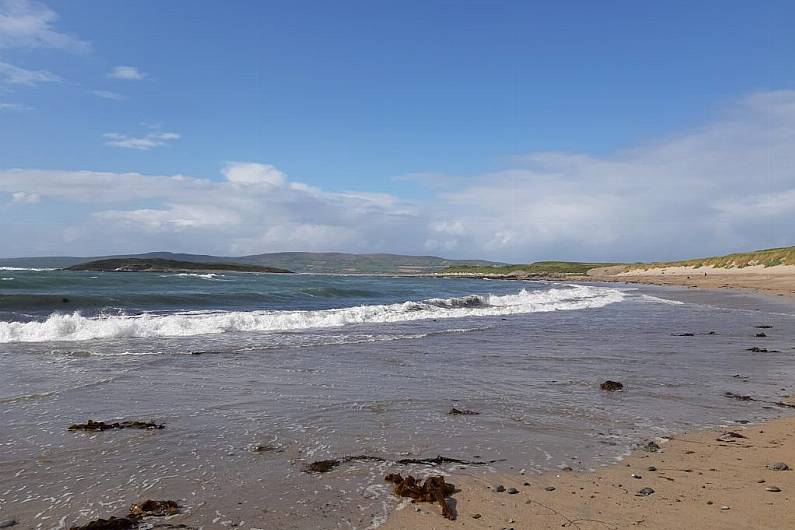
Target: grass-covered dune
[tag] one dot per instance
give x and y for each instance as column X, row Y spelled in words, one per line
column 766, row 258
column 538, row 268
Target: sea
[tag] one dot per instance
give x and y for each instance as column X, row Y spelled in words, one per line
column 256, row 376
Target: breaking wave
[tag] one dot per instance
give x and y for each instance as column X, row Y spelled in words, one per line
column 76, row 327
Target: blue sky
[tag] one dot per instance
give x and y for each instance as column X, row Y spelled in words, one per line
column 412, row 117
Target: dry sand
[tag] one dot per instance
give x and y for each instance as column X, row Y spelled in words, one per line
column 779, row 280
column 702, row 480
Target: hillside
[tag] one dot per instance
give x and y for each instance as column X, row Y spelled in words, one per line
column 316, row 262
column 535, row 269
column 766, row 258
column 165, row 265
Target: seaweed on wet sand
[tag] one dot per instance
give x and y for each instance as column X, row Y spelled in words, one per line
column 434, row 489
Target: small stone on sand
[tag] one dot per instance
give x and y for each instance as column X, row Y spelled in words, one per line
column 778, row 466
column 773, row 489
column 645, row 492
column 499, row 488
column 512, row 491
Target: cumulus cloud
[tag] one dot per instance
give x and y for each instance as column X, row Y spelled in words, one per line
column 253, row 173
column 727, row 185
column 25, row 198
column 130, row 73
column 30, row 24
column 140, row 143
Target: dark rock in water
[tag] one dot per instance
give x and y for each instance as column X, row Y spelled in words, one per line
column 462, row 412
column 434, row 489
column 738, row 397
column 711, row 333
column 499, row 488
column 778, row 466
column 757, row 349
column 92, row 425
column 683, row 334
column 611, row 386
column 64, row 300
column 114, row 523
column 154, row 508
column 761, row 334
column 8, row 523
column 645, row 492
column 764, row 326
column 265, row 448
column 323, row 466
column 512, row 491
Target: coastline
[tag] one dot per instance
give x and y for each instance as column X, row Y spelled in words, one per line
column 708, row 479
column 712, row 479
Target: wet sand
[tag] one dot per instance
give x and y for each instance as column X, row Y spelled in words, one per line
column 714, row 479
column 779, row 280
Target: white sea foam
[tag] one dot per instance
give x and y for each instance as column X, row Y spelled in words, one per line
column 24, row 269
column 76, row 327
column 657, row 300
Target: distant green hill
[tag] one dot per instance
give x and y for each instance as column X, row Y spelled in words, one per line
column 538, row 268
column 317, row 262
column 167, row 265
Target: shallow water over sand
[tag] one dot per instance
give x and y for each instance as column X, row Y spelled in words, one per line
column 378, row 388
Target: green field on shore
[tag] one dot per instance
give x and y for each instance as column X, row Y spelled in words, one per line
column 538, row 268
column 768, row 258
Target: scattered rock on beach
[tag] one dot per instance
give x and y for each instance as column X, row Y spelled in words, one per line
column 154, row 508
column 462, row 412
column 773, row 489
column 611, row 386
column 499, row 488
column 434, row 489
column 8, row 523
column 651, row 468
column 114, row 523
column 738, row 397
column 644, row 492
column 512, row 491
column 92, row 425
column 778, row 466
column 549, row 488
column 651, row 447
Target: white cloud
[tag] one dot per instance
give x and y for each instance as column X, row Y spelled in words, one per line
column 130, row 73
column 107, row 94
column 252, row 173
column 25, row 198
column 29, row 24
column 15, row 75
column 4, row 105
column 728, row 185
column 140, row 143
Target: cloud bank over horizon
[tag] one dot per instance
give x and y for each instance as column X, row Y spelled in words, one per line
column 726, row 185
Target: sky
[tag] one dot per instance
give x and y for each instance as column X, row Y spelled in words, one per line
column 507, row 130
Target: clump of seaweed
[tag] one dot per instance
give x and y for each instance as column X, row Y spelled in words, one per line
column 434, row 489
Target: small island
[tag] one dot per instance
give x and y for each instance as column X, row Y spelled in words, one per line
column 167, row 265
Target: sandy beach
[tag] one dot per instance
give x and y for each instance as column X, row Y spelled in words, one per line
column 715, row 479
column 778, row 280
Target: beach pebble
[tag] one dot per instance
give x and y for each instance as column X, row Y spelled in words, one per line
column 724, row 508
column 645, row 492
column 499, row 488
column 550, row 488
column 760, row 481
column 476, row 516
column 773, row 489
column 636, row 476
column 651, row 468
column 8, row 523
column 778, row 466
column 651, row 447
column 512, row 491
